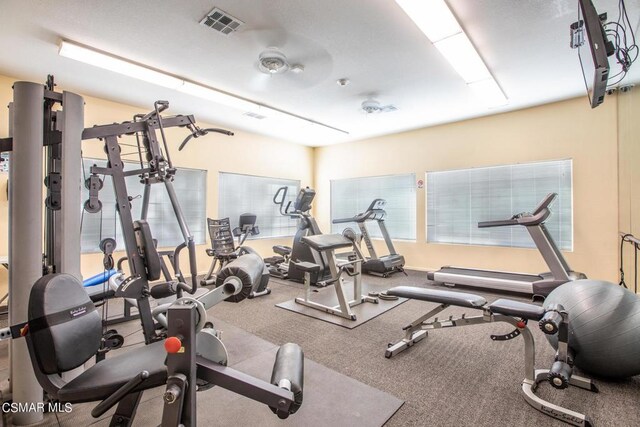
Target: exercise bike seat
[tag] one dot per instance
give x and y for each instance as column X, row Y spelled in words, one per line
column 282, row 250
column 439, row 296
column 517, row 309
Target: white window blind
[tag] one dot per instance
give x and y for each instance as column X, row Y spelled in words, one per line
column 190, row 186
column 352, row 196
column 457, row 200
column 240, row 194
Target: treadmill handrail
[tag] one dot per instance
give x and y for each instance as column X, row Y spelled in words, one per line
column 370, row 215
column 539, row 215
column 343, row 220
column 498, row 223
column 545, row 203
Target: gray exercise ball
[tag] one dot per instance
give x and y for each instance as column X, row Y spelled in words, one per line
column 604, row 326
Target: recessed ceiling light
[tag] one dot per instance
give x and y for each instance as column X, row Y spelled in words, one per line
column 343, row 82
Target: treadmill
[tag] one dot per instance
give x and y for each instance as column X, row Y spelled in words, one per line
column 384, row 265
column 536, row 285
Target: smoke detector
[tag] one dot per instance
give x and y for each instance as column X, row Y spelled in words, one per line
column 371, row 106
column 272, row 61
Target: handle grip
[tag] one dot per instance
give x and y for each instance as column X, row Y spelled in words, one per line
column 193, row 266
column 201, row 132
column 119, row 394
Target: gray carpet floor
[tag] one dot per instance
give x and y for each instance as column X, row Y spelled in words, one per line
column 455, row 377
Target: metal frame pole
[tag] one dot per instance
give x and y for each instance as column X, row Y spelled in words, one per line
column 25, row 235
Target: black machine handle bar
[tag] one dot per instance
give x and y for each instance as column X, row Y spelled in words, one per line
column 278, row 199
column 160, row 106
column 182, row 284
column 197, row 132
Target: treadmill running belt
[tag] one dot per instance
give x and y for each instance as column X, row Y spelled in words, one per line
column 488, row 273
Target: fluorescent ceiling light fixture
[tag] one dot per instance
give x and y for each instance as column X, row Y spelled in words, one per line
column 489, row 92
column 463, row 57
column 218, row 97
column 437, row 22
column 120, row 66
column 433, row 18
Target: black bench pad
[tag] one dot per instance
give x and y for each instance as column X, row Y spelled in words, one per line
column 326, row 242
column 436, row 295
column 517, row 309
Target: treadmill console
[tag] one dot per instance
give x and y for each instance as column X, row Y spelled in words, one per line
column 549, row 198
column 377, row 204
column 304, row 200
column 247, row 220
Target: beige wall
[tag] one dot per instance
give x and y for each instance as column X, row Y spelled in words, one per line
column 629, row 174
column 245, row 152
column 568, row 129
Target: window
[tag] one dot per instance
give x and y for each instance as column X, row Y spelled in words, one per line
column 352, row 196
column 457, row 200
column 190, row 186
column 254, row 194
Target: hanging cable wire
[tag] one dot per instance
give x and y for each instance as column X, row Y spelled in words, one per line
column 622, row 240
column 624, row 40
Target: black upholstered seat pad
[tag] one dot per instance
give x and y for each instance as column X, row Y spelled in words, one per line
column 435, row 295
column 104, row 378
column 325, row 242
column 517, row 309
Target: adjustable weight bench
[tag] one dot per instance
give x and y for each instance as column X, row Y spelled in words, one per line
column 327, row 244
column 551, row 320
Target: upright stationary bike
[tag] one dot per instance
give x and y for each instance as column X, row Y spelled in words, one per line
column 280, row 265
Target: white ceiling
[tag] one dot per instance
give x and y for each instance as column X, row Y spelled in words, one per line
column 371, row 42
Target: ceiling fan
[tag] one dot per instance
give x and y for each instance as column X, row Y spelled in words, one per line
column 285, row 61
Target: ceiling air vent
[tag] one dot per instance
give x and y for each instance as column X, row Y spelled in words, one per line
column 221, row 21
column 255, row 116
